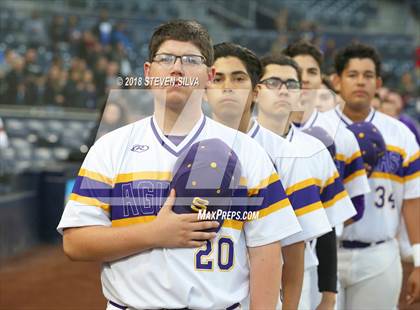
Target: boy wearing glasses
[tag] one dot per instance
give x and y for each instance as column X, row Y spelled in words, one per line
column 156, row 259
column 278, row 97
column 348, row 158
column 231, row 97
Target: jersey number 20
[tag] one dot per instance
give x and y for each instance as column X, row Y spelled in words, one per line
column 204, row 257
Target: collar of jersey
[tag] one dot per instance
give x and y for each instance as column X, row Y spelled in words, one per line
column 348, row 121
column 291, row 132
column 188, row 140
column 254, row 128
column 310, row 122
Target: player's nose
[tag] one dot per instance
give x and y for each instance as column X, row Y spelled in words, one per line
column 177, row 69
column 283, row 91
column 227, row 85
column 361, row 80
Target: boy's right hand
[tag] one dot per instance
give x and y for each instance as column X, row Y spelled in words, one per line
column 172, row 230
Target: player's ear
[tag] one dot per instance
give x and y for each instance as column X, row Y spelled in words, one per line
column 336, row 81
column 378, row 82
column 211, row 72
column 254, row 93
column 257, row 91
column 146, row 68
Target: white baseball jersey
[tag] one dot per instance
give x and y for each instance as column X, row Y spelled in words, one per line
column 127, row 168
column 334, row 197
column 348, row 158
column 300, row 186
column 396, row 177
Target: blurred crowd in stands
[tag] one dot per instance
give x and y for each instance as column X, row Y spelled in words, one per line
column 97, row 56
column 67, row 63
column 69, row 60
column 408, row 84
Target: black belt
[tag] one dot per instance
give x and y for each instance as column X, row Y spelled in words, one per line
column 358, row 244
column 125, row 308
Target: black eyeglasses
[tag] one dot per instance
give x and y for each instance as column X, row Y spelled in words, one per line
column 186, row 60
column 277, row 83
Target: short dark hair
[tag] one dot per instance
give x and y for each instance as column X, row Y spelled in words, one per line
column 186, row 31
column 303, row 47
column 281, row 60
column 246, row 56
column 328, row 84
column 357, row 50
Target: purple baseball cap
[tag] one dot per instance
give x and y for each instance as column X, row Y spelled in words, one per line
column 322, row 135
column 206, row 177
column 371, row 143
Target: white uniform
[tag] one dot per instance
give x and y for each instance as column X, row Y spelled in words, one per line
column 371, row 277
column 132, row 165
column 334, row 197
column 350, row 166
column 348, row 156
column 300, row 186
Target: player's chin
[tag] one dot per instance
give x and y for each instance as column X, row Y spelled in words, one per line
column 230, row 105
column 177, row 97
column 281, row 110
column 359, row 103
column 308, row 96
column 230, row 112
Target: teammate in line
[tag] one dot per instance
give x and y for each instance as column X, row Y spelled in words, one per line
column 231, row 97
column 368, row 257
column 150, row 255
column 348, row 156
column 279, row 96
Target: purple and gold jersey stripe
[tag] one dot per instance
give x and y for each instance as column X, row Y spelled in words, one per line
column 143, row 200
column 235, row 224
column 332, row 191
column 96, row 176
column 396, row 149
column 88, row 187
column 412, row 159
column 309, row 208
column 144, row 175
column 304, row 197
column 300, row 185
column 334, row 200
column 133, row 220
column 153, row 175
column 92, row 188
column 272, row 197
column 412, row 176
column 274, row 207
column 390, row 166
column 411, row 168
column 263, row 184
column 353, row 167
column 354, row 175
column 137, row 197
column 384, row 175
column 90, row 201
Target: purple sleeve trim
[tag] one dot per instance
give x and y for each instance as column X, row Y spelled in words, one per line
column 359, row 205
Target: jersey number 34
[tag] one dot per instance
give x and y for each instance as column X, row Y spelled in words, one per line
column 383, row 198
